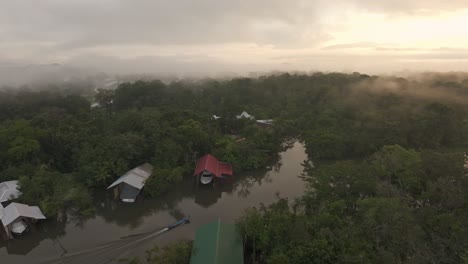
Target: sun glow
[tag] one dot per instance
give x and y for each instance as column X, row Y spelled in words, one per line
column 445, row 30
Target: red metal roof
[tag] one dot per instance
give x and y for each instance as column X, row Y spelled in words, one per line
column 213, row 165
column 224, row 169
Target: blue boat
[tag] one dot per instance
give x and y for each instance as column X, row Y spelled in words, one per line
column 180, row 222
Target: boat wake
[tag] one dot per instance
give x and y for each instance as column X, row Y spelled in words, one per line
column 111, row 252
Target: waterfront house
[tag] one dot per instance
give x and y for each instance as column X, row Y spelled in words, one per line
column 209, row 167
column 17, row 217
column 9, row 191
column 129, row 185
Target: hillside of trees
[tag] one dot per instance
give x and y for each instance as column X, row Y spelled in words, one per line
column 388, row 186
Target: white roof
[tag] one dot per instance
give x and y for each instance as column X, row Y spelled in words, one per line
column 2, row 212
column 265, row 121
column 135, row 177
column 9, row 190
column 244, row 114
column 16, row 210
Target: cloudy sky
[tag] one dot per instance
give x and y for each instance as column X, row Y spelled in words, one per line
column 237, row 35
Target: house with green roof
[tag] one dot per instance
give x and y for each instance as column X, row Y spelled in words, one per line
column 217, row 243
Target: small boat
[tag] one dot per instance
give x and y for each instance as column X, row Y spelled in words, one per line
column 180, row 222
column 206, row 177
column 18, row 227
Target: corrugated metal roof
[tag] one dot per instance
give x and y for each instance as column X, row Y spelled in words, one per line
column 224, row 169
column 135, row 177
column 2, row 212
column 207, row 162
column 217, row 243
column 213, row 165
column 15, row 210
column 9, row 190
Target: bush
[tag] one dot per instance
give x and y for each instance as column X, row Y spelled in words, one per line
column 162, row 180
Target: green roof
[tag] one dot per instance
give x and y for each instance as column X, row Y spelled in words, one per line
column 217, row 243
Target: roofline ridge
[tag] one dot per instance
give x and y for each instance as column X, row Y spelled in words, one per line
column 141, row 176
column 206, row 161
column 134, row 170
column 217, row 240
column 16, row 210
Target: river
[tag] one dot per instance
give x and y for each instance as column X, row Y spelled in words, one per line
column 98, row 240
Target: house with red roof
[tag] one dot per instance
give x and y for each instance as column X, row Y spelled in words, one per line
column 210, row 168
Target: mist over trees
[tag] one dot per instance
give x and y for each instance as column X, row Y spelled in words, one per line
column 388, row 186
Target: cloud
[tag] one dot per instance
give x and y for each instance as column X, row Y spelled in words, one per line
column 226, row 35
column 409, row 6
column 423, row 86
column 354, row 45
column 78, row 24
column 177, row 64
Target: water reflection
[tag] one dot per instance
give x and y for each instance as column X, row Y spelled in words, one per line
column 209, row 195
column 114, row 220
column 22, row 245
column 132, row 214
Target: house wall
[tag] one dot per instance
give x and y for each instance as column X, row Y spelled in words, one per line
column 117, row 192
column 6, row 233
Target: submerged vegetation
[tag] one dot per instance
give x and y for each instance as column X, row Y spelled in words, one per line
column 396, row 206
column 388, row 185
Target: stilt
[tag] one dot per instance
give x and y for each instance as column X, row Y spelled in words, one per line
column 9, row 234
column 116, row 192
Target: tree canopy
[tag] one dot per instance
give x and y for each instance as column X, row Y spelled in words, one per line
column 389, row 184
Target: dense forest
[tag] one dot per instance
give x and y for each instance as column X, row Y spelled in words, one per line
column 388, row 183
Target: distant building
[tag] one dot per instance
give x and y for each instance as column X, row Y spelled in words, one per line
column 16, row 217
column 130, row 184
column 9, row 191
column 265, row 122
column 95, row 105
column 466, row 161
column 209, row 167
column 217, row 243
column 245, row 115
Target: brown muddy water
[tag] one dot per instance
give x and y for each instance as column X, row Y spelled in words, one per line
column 100, row 239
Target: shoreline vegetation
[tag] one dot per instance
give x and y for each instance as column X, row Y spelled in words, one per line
column 388, row 185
